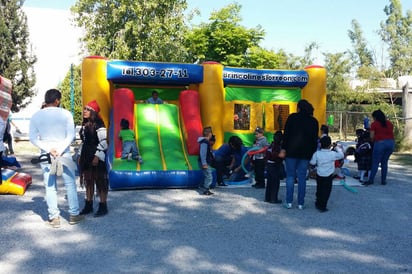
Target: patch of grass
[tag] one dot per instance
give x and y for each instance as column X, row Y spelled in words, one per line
column 402, row 158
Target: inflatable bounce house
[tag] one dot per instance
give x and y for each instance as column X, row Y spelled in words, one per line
column 12, row 181
column 233, row 101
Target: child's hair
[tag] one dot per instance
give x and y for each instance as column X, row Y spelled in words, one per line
column 236, row 142
column 359, row 132
column 324, row 129
column 206, row 131
column 278, row 137
column 124, row 123
column 325, row 142
column 364, row 137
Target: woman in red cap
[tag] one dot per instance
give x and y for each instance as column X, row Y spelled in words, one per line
column 92, row 164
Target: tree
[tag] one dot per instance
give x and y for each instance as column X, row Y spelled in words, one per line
column 16, row 58
column 148, row 30
column 396, row 32
column 261, row 58
column 65, row 88
column 224, row 40
column 362, row 56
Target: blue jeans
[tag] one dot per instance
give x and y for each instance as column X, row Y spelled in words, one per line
column 296, row 168
column 129, row 147
column 382, row 150
column 50, row 183
column 207, row 177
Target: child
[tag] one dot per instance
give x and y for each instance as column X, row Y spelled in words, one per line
column 363, row 156
column 128, row 142
column 324, row 160
column 324, row 130
column 274, row 166
column 259, row 161
column 206, row 159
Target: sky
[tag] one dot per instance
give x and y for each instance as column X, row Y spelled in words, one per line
column 289, row 25
column 292, row 25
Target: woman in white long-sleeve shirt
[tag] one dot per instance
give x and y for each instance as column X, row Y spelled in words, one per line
column 324, row 160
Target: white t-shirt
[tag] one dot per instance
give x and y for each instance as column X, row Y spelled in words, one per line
column 324, row 160
column 52, row 127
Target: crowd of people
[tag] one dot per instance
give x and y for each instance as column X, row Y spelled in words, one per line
column 297, row 150
column 289, row 155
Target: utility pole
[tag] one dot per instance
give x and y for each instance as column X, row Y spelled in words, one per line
column 71, row 89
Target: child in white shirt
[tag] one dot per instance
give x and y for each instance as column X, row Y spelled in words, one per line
column 324, row 160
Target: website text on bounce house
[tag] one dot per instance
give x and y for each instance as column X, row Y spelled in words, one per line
column 233, row 101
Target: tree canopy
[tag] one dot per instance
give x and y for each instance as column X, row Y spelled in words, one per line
column 16, row 57
column 396, row 32
column 133, row 30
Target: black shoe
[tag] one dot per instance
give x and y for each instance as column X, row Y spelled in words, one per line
column 321, row 209
column 383, row 183
column 258, row 186
column 207, row 192
column 88, row 208
column 221, row 184
column 367, row 183
column 102, row 210
column 274, row 202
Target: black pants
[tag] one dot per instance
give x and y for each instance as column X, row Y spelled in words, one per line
column 274, row 172
column 221, row 168
column 323, row 190
column 260, row 171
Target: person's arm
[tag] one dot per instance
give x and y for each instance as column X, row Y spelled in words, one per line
column 372, row 135
column 339, row 152
column 70, row 134
column 102, row 145
column 34, row 133
column 313, row 160
column 15, row 126
column 203, row 155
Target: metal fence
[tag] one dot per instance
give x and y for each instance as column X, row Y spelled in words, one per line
column 343, row 124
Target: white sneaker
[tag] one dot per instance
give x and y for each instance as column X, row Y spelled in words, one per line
column 300, row 207
column 288, row 205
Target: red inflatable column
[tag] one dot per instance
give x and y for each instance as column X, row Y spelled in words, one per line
column 192, row 123
column 123, row 107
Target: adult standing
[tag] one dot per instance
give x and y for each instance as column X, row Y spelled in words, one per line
column 52, row 130
column 7, row 137
column 299, row 143
column 381, row 134
column 93, row 170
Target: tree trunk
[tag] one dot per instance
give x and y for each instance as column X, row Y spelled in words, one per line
column 407, row 114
